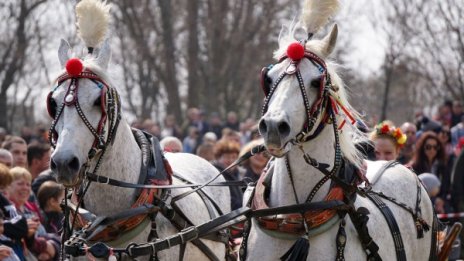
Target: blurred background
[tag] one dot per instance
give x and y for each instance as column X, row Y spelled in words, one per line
column 398, row 58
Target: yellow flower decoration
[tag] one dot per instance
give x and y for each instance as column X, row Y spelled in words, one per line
column 396, row 133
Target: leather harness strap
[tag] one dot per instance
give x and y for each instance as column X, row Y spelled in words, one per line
column 392, row 224
column 388, row 215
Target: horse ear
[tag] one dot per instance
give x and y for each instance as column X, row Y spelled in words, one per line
column 63, row 54
column 104, row 55
column 328, row 43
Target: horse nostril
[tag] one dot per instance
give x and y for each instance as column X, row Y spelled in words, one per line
column 74, row 164
column 284, row 129
column 262, row 127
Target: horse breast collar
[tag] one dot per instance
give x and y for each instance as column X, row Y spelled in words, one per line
column 155, row 170
column 317, row 221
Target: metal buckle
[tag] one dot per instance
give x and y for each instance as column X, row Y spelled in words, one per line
column 187, row 231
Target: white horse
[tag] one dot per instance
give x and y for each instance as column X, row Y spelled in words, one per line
column 86, row 110
column 301, row 132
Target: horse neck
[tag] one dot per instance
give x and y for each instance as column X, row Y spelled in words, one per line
column 122, row 161
column 305, row 177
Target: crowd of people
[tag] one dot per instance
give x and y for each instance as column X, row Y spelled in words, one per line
column 432, row 148
column 30, row 196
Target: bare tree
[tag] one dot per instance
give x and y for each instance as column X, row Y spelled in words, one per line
column 15, row 41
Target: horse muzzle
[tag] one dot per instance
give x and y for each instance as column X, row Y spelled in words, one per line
column 276, row 134
column 66, row 167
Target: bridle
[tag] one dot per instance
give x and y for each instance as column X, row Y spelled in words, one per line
column 110, row 106
column 326, row 106
column 312, row 111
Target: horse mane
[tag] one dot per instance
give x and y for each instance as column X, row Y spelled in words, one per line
column 350, row 134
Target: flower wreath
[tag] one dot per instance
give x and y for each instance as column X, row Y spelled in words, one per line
column 383, row 129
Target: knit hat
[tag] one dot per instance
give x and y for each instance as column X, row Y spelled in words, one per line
column 430, row 181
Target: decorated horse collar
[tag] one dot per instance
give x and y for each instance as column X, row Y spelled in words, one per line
column 293, row 224
column 155, row 170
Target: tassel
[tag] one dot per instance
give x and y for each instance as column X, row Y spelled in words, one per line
column 299, row 251
column 421, row 226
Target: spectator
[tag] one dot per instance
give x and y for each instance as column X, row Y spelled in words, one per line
column 458, row 181
column 206, row 151
column 254, row 166
column 407, row 151
column 444, row 114
column 6, row 252
column 191, row 141
column 194, row 119
column 6, row 158
column 18, row 148
column 215, row 124
column 432, row 186
column 210, row 137
column 171, row 128
column 430, row 157
column 456, row 113
column 45, row 175
column 387, row 141
column 38, row 158
column 44, row 246
column 428, row 125
column 171, row 144
column 50, row 196
column 231, row 135
column 151, row 127
column 232, row 121
column 16, row 227
column 226, row 152
column 457, row 132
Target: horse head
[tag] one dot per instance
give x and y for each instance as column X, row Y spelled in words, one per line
column 84, row 107
column 295, row 87
column 303, row 92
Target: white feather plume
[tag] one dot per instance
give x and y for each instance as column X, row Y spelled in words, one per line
column 316, row 13
column 93, row 17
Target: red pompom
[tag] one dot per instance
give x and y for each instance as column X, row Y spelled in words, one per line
column 295, row 51
column 74, row 66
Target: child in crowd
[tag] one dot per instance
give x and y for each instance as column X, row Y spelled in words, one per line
column 50, row 196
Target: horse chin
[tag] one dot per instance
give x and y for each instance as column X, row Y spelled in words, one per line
column 69, row 180
column 276, row 151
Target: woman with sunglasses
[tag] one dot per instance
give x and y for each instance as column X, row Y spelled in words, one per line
column 430, row 157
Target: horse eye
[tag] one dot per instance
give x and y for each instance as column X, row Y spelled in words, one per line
column 52, row 107
column 268, row 81
column 316, row 83
column 97, row 101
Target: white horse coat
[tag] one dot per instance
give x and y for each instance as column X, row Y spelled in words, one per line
column 122, row 159
column 284, row 119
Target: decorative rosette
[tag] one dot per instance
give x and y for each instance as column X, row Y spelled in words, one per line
column 386, row 130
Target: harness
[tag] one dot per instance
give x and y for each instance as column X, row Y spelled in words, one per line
column 327, row 105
